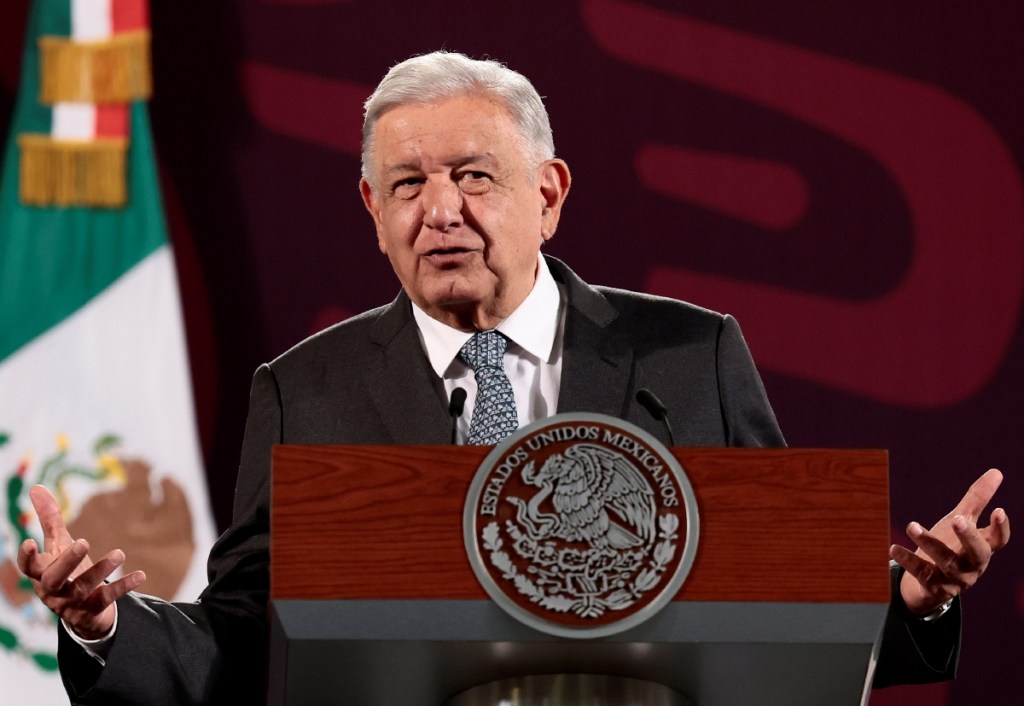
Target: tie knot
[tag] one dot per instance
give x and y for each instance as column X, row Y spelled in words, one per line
column 484, row 350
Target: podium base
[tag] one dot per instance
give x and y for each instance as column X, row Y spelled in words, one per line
column 569, row 690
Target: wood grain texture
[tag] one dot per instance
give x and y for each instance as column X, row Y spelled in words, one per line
column 358, row 522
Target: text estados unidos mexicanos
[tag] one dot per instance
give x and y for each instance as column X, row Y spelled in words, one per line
column 519, row 455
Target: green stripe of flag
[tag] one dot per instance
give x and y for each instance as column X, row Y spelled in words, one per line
column 54, row 260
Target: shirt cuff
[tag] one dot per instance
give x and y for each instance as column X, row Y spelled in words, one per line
column 98, row 648
column 938, row 612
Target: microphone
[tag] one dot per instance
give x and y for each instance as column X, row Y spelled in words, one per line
column 649, row 401
column 455, row 405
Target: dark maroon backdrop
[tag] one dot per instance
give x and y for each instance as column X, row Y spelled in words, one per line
column 845, row 178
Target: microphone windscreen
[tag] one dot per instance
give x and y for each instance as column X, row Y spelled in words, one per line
column 457, row 402
column 651, row 403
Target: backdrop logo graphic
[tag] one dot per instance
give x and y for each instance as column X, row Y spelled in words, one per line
column 581, row 525
column 957, row 178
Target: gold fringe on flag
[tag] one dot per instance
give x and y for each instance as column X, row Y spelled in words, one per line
column 116, row 70
column 72, row 173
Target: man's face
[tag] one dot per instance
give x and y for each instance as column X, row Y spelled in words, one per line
column 460, row 212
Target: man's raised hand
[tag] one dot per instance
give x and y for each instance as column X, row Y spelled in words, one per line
column 954, row 554
column 65, row 578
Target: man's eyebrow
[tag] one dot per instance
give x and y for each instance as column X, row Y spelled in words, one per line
column 482, row 158
column 403, row 168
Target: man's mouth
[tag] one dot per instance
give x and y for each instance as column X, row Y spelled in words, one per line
column 448, row 257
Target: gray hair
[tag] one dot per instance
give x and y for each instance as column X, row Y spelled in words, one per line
column 441, row 75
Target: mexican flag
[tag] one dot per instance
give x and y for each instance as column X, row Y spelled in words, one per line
column 95, row 394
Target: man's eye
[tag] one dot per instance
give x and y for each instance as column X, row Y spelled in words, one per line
column 406, row 188
column 474, row 182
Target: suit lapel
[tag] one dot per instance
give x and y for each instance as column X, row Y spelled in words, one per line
column 595, row 368
column 411, row 399
column 407, row 393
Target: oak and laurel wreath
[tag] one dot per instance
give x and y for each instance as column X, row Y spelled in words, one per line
column 664, row 551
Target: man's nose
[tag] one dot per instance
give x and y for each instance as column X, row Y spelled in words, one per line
column 442, row 204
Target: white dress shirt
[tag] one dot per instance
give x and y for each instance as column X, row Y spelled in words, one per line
column 533, row 360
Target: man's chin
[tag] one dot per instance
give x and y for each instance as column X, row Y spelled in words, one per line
column 459, row 307
column 456, row 301
column 456, row 290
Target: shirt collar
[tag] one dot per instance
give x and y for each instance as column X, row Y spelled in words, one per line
column 532, row 326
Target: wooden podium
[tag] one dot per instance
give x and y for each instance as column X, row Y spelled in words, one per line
column 373, row 600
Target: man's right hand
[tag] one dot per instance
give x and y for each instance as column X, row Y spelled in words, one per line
column 64, row 577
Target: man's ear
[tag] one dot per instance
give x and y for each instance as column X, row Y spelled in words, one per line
column 554, row 181
column 373, row 206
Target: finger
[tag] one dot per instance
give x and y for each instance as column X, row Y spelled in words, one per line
column 999, row 530
column 93, row 577
column 931, row 545
column 976, row 549
column 915, row 565
column 59, row 571
column 29, row 562
column 56, row 537
column 90, row 610
column 979, row 494
column 110, row 592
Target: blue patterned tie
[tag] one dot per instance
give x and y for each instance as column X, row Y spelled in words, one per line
column 494, row 412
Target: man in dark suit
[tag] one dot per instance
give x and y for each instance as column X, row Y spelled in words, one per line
column 460, row 178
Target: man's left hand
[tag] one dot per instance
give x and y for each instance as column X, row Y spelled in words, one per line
column 955, row 552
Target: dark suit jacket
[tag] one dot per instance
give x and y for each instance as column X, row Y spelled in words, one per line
column 368, row 380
